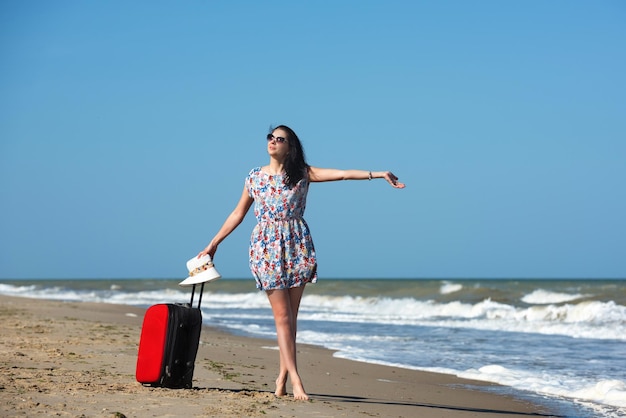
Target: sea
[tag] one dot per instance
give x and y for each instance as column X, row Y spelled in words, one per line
column 561, row 343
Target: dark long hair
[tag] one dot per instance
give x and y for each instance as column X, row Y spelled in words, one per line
column 295, row 163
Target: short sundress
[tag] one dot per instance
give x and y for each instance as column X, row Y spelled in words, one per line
column 282, row 254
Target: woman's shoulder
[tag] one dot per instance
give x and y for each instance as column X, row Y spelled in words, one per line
column 254, row 171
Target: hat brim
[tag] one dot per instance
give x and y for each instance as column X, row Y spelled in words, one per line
column 204, row 277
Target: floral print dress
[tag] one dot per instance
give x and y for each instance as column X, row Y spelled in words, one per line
column 282, row 254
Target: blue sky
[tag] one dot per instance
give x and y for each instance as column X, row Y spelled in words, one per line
column 127, row 129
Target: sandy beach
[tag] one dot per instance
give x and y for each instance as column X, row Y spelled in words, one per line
column 78, row 360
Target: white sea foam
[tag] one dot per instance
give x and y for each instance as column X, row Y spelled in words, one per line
column 588, row 319
column 597, row 320
column 545, row 297
column 447, row 288
column 608, row 392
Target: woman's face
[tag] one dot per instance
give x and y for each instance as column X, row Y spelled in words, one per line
column 277, row 144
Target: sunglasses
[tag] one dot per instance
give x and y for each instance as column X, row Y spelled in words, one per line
column 278, row 139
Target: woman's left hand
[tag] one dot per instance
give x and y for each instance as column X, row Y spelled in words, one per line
column 393, row 180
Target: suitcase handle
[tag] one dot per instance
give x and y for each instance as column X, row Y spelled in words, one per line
column 193, row 291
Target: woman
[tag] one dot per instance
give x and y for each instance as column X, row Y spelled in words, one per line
column 282, row 255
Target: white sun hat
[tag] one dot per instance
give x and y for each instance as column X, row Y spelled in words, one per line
column 201, row 270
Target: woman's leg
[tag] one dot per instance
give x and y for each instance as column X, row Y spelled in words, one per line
column 285, row 305
column 295, row 296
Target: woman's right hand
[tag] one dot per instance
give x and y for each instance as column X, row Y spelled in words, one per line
column 209, row 249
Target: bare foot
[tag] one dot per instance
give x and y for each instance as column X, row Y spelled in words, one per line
column 281, row 386
column 298, row 392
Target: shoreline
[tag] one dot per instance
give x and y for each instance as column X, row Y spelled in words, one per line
column 73, row 358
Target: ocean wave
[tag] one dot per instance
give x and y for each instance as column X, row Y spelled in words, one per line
column 545, row 297
column 585, row 319
column 589, row 319
column 447, row 288
column 608, row 392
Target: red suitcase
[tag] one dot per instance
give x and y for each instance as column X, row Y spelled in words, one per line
column 168, row 345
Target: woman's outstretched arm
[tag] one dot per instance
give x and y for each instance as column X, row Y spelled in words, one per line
column 317, row 174
column 232, row 221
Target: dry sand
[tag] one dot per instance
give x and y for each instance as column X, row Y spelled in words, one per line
column 78, row 360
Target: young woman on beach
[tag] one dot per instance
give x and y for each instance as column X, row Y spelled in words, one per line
column 282, row 255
